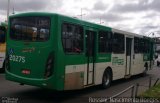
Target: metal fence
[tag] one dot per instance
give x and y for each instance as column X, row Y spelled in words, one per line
column 150, row 82
column 135, row 88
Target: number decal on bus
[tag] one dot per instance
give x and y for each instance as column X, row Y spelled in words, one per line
column 16, row 58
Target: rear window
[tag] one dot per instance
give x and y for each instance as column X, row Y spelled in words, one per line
column 30, row 28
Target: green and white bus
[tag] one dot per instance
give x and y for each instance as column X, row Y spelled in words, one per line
column 62, row 53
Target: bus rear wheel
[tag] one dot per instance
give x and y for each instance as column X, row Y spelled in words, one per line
column 106, row 80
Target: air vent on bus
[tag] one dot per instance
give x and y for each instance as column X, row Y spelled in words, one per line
column 49, row 65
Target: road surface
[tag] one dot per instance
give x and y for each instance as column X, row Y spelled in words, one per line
column 12, row 91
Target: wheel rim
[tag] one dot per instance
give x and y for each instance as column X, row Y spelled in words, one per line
column 106, row 79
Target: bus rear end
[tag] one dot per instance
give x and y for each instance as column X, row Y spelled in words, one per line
column 30, row 50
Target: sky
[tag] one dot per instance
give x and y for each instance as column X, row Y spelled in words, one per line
column 137, row 16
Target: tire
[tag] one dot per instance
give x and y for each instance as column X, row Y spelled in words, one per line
column 106, row 80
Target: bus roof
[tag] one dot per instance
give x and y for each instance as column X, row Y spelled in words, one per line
column 127, row 33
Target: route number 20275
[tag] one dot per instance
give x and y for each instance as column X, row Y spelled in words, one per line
column 16, row 58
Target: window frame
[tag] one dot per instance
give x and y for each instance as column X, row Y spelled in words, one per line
column 49, row 34
column 82, row 41
column 142, row 44
column 137, row 48
column 108, row 40
column 120, row 51
column 146, row 45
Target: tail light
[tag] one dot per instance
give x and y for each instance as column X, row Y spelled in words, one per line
column 49, row 66
column 26, row 71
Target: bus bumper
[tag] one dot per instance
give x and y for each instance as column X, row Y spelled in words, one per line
column 43, row 83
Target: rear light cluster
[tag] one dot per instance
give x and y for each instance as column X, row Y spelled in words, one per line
column 26, row 71
column 49, row 65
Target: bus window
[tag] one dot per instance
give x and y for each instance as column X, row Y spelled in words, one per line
column 35, row 29
column 105, row 42
column 44, row 33
column 72, row 38
column 137, row 48
column 146, row 46
column 141, row 45
column 118, row 43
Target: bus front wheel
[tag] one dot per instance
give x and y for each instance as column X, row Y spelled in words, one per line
column 106, row 80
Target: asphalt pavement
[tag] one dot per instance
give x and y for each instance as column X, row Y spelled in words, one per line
column 15, row 93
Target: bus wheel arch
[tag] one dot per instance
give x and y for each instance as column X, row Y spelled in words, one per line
column 107, row 78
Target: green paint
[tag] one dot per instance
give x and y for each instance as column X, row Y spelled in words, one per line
column 35, row 61
column 117, row 61
column 104, row 58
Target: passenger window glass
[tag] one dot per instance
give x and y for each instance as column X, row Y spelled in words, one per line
column 118, row 43
column 72, row 38
column 30, row 28
column 105, row 42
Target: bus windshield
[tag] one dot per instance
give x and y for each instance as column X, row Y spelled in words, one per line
column 30, row 28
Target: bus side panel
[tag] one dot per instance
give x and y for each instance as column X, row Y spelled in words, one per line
column 102, row 63
column 70, row 67
column 138, row 65
column 118, row 66
column 74, row 77
column 99, row 71
column 60, row 61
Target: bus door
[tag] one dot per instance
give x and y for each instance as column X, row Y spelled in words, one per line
column 90, row 57
column 128, row 55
